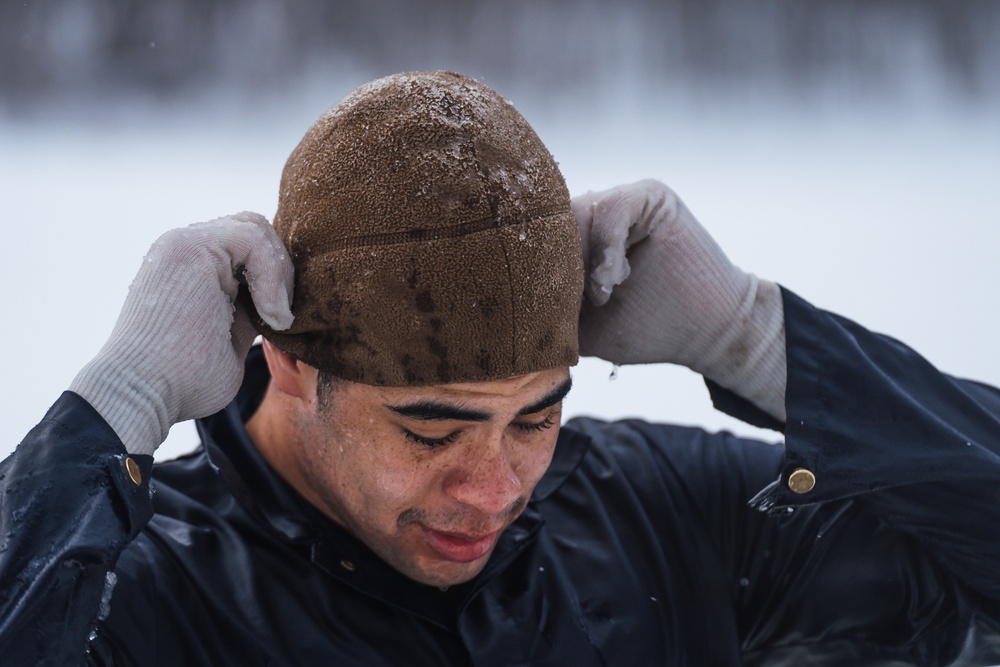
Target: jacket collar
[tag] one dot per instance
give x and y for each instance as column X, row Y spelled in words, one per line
column 283, row 513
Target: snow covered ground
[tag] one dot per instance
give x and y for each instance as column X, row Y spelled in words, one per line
column 885, row 213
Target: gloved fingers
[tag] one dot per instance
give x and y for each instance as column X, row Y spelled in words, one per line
column 252, row 248
column 243, row 332
column 640, row 321
column 620, row 218
column 604, row 335
column 603, row 245
column 583, row 209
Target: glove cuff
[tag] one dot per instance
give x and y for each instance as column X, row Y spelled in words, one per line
column 122, row 399
column 750, row 358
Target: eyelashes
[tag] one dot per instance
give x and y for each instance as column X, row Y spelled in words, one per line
column 538, row 426
column 429, row 442
column 535, row 427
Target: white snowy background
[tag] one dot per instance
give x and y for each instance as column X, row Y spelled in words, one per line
column 869, row 188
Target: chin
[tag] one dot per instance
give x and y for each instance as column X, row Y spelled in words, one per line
column 443, row 575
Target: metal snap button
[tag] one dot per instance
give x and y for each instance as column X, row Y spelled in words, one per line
column 801, row 481
column 132, row 468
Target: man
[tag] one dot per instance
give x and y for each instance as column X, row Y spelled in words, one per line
column 390, row 485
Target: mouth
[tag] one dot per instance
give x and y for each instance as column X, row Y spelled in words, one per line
column 459, row 547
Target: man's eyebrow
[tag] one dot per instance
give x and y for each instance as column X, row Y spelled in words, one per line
column 437, row 411
column 434, row 411
column 550, row 399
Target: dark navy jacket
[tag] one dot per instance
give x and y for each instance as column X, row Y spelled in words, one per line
column 643, row 545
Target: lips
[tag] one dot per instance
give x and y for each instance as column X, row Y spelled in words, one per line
column 458, row 547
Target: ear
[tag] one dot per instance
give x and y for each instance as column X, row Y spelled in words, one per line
column 292, row 376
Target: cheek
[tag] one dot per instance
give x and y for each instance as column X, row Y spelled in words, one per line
column 397, row 484
column 337, row 458
column 387, row 474
column 534, row 457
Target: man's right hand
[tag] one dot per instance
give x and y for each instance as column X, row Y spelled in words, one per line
column 178, row 348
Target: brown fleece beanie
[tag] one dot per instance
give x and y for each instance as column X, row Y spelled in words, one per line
column 432, row 239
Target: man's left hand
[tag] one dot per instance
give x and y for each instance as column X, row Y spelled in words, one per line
column 659, row 289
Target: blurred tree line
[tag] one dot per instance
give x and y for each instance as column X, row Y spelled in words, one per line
column 50, row 49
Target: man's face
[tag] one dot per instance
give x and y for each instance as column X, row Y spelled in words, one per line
column 429, row 477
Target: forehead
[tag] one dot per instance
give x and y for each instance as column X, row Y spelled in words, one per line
column 514, row 392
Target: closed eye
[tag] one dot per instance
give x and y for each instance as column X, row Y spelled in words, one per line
column 430, row 442
column 548, row 422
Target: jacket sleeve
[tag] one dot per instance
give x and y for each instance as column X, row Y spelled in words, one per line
column 69, row 507
column 904, row 513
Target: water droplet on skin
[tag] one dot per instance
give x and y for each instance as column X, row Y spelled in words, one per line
column 614, row 372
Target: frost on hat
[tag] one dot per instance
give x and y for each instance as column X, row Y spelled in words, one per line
column 432, row 239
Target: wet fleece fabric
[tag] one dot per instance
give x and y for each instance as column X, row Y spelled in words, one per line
column 643, row 545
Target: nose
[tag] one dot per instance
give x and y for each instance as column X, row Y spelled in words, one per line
column 488, row 482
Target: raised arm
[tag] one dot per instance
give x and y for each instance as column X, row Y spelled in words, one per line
column 75, row 491
column 874, row 533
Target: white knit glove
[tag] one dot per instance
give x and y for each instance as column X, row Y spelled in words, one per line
column 178, row 348
column 659, row 289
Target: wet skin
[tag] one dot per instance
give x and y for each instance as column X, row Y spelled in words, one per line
column 427, row 477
